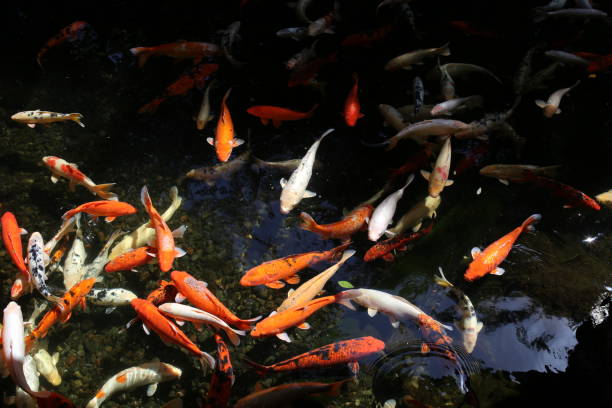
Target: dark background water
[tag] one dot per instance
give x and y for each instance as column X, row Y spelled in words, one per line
column 546, row 334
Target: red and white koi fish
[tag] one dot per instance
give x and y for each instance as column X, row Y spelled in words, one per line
column 61, row 168
column 164, row 238
column 439, row 178
column 144, row 374
column 182, row 49
column 551, row 107
column 36, row 117
column 351, row 106
column 68, row 33
column 487, row 261
column 383, row 213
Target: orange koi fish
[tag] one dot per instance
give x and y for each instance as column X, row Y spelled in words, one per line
column 72, row 298
column 61, row 168
column 69, row 33
column 132, row 259
column 597, row 62
column 343, row 229
column 168, row 331
column 277, row 114
column 166, row 292
column 108, row 209
column 572, row 197
column 222, row 379
column 182, row 49
column 272, row 272
column 197, row 293
column 351, row 105
column 435, row 335
column 195, row 77
column 164, row 238
column 224, row 140
column 486, row 261
column 11, row 235
column 277, row 323
column 342, row 352
column 383, row 249
column 283, row 395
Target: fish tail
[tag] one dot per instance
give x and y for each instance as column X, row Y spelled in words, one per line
column 207, row 360
column 152, row 106
column 531, row 220
column 145, row 198
column 102, row 191
column 549, row 171
column 246, row 324
column 77, row 118
column 234, row 335
column 445, row 50
column 259, row 368
column 142, row 54
column 336, row 388
column 338, row 251
column 442, row 281
column 308, row 223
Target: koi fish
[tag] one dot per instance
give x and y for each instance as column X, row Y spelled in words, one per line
column 72, row 298
column 343, row 229
column 301, row 58
column 405, row 61
column 154, row 320
column 199, row 317
column 112, row 298
column 352, row 108
column 222, row 378
column 68, row 33
column 421, row 130
column 144, row 374
column 46, row 365
column 551, row 107
column 413, row 219
column 36, row 261
column 13, row 348
column 572, row 197
column 516, row 173
column 566, row 57
column 11, row 236
column 30, row 372
column 195, row 77
column 35, row 117
column 451, row 106
column 383, row 249
column 605, row 198
column 277, row 323
column 166, row 292
column 164, row 238
column 469, row 324
column 283, row 165
column 271, row 273
column 295, row 188
column 322, row 25
column 383, row 213
column 224, row 140
column 278, row 114
column 75, row 259
column 61, row 168
column 418, row 90
column 94, row 269
column 211, row 174
column 108, row 209
column 395, row 307
column 472, row 157
column 457, row 69
column 487, row 261
column 197, row 293
column 204, row 115
column 392, row 117
column 286, row 393
column 597, row 62
column 55, row 400
column 414, row 162
column 143, row 234
column 342, row 352
column 131, row 260
column 311, row 288
column 439, row 178
column 182, row 49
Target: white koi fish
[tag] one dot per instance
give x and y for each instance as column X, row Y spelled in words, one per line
column 450, row 106
column 13, row 348
column 469, row 324
column 439, row 178
column 75, row 259
column 112, row 298
column 392, row 116
column 421, row 130
column 32, row 118
column 198, row 317
column 395, row 307
column 22, row 398
column 149, row 373
column 94, row 269
column 295, row 189
column 405, row 61
column 414, row 217
column 46, row 364
column 204, row 115
column 36, row 260
column 551, row 107
column 383, row 213
column 70, row 171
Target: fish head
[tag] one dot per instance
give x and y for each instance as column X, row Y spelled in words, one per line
column 288, row 200
column 169, row 371
column 20, row 116
column 549, row 111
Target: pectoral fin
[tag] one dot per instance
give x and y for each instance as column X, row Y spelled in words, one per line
column 145, row 328
column 540, row 103
column 283, row 183
column 178, row 252
column 210, row 141
column 479, row 326
column 372, row 312
column 498, row 271
column 293, row 280
column 179, row 298
column 425, row 174
column 109, row 219
column 449, row 183
column 275, row 285
column 31, row 125
column 284, row 337
column 151, row 389
column 309, row 194
column 54, row 179
column 237, row 142
column 304, row 326
column 475, row 252
column 504, row 182
column 394, row 322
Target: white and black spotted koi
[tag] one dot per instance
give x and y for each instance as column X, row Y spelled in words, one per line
column 32, row 118
column 36, row 266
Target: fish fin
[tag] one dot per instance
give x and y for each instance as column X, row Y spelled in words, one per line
column 151, row 254
column 558, row 111
column 54, row 179
column 498, row 271
column 23, row 231
column 109, row 310
column 272, row 313
column 142, row 59
column 309, row 194
column 179, row 298
column 290, row 292
column 179, row 232
column 475, row 252
column 394, row 322
column 275, row 285
column 347, row 303
column 425, row 348
column 210, row 141
column 31, row 125
column 304, row 326
column 55, row 357
column 179, row 322
column 372, row 312
column 234, row 336
column 237, row 142
column 426, row 174
column 65, row 317
column 293, row 279
column 151, row 389
column 504, row 182
column 459, row 324
column 446, row 326
column 449, row 183
column 146, row 329
column 417, row 227
column 441, row 280
column 131, row 322
column 354, row 367
column 276, row 123
column 283, row 183
column 179, row 252
column 102, row 191
column 264, row 121
column 77, row 118
column 284, row 337
column 207, row 359
column 540, row 103
column 109, row 219
column 479, row 326
column 445, row 50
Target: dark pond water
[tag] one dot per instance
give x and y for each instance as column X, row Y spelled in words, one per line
column 546, row 334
